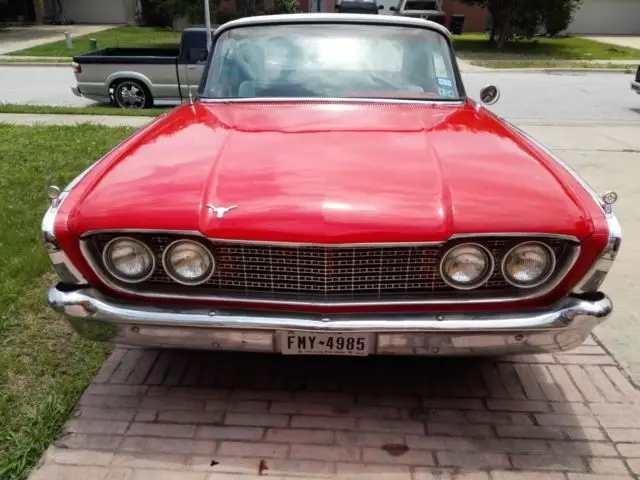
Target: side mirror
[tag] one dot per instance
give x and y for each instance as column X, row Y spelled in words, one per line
column 489, row 95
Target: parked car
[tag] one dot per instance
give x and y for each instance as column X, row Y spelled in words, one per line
column 635, row 84
column 311, row 202
column 358, row 6
column 427, row 9
column 136, row 77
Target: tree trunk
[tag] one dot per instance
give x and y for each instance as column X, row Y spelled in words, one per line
column 506, row 32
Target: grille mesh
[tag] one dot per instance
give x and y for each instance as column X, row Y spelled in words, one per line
column 321, row 273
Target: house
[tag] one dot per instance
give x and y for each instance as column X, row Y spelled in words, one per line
column 77, row 11
column 603, row 17
column 475, row 17
column 607, row 17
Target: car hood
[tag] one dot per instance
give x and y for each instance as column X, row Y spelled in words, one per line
column 329, row 173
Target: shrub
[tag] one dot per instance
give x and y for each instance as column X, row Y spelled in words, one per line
column 524, row 18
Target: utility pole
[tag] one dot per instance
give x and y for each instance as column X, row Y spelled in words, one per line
column 207, row 20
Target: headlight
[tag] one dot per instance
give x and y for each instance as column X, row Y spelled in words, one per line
column 528, row 265
column 466, row 266
column 128, row 259
column 188, row 262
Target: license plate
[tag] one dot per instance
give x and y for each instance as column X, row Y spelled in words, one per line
column 307, row 343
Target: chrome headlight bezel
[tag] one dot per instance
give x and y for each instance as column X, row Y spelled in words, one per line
column 169, row 269
column 551, row 267
column 106, row 261
column 482, row 279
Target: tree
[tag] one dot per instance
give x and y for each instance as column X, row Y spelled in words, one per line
column 523, row 18
column 286, row 6
column 162, row 12
column 558, row 15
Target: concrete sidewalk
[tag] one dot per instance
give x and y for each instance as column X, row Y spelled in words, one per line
column 629, row 41
column 18, row 38
column 65, row 119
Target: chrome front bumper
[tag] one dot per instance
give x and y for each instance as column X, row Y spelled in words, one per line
column 562, row 326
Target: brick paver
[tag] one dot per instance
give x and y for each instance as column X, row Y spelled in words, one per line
column 216, row 416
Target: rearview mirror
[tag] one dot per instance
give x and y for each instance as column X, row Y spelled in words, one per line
column 380, row 7
column 489, row 95
column 393, row 9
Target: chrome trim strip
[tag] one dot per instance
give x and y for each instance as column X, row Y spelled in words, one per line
column 47, row 230
column 560, row 274
column 483, row 279
column 596, row 275
column 256, row 242
column 320, row 100
column 558, row 236
column 552, row 258
column 89, row 303
column 455, row 236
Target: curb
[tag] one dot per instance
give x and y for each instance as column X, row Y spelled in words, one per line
column 34, row 64
column 568, row 70
column 74, row 119
column 560, row 70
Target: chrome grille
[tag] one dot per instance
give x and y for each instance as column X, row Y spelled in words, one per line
column 326, row 273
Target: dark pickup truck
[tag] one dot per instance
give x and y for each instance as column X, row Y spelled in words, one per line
column 358, row 6
column 135, row 77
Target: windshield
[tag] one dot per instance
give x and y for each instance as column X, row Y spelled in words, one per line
column 331, row 61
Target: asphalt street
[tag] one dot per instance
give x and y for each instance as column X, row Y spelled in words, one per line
column 549, row 97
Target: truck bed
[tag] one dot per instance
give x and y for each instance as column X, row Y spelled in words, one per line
column 130, row 55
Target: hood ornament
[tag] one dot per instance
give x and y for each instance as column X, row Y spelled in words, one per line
column 220, row 211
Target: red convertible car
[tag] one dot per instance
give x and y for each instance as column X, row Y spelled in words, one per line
column 332, row 190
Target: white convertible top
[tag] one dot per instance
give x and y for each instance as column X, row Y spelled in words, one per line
column 333, row 18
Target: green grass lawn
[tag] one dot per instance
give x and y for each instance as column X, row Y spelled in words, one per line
column 44, row 366
column 100, row 110
column 115, row 37
column 476, row 46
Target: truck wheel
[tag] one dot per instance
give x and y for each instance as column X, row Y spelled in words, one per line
column 132, row 94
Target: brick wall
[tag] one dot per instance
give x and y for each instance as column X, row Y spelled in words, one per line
column 475, row 17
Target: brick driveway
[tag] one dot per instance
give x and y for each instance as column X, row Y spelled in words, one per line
column 168, row 415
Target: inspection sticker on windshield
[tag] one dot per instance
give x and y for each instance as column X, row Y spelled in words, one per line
column 446, row 92
column 445, row 82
